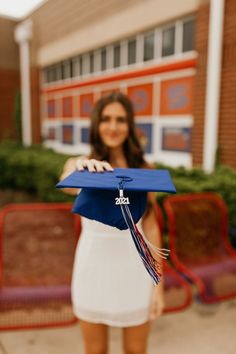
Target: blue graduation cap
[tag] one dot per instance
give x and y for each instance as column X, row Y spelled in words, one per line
column 118, row 198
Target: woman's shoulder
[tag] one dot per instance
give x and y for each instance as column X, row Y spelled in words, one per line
column 71, row 161
column 69, row 166
column 148, row 165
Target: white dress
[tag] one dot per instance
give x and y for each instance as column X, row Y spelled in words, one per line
column 109, row 284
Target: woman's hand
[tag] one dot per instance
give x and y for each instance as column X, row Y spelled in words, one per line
column 92, row 165
column 157, row 302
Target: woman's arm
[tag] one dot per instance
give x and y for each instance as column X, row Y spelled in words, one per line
column 68, row 168
column 80, row 164
column 152, row 233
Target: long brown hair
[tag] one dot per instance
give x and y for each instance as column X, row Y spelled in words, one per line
column 132, row 148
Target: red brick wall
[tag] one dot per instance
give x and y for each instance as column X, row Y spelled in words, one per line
column 227, row 121
column 202, row 21
column 9, row 86
column 35, row 105
column 227, row 113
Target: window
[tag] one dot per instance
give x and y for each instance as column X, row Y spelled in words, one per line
column 45, row 75
column 50, row 75
column 97, row 60
column 76, row 67
column 85, row 64
column 148, row 46
column 58, row 72
column 188, row 35
column 168, row 41
column 132, row 51
column 66, row 69
column 91, row 62
column 104, row 59
column 116, row 55
column 81, row 65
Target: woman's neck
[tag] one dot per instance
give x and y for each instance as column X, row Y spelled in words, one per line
column 117, row 158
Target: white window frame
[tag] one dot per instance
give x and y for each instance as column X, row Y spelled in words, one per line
column 158, row 43
column 139, row 49
column 172, row 158
column 85, row 65
column 178, row 37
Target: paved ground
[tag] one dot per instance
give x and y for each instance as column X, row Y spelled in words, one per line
column 198, row 330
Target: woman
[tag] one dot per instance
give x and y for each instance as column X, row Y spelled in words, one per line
column 110, row 285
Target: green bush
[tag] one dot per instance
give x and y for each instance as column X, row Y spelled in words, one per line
column 36, row 169
column 221, row 181
column 32, row 169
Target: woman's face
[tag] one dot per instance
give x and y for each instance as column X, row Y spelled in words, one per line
column 113, row 127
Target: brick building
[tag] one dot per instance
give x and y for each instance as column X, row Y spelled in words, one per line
column 174, row 59
column 9, row 79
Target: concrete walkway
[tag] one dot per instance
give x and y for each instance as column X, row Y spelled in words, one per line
column 201, row 329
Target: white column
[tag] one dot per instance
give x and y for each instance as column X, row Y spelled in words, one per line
column 23, row 34
column 215, row 39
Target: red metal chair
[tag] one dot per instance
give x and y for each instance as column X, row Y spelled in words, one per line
column 198, row 238
column 177, row 291
column 37, row 243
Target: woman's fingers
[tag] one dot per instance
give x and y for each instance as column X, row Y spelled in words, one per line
column 80, row 164
column 107, row 166
column 155, row 311
column 157, row 304
column 93, row 165
column 100, row 166
column 90, row 165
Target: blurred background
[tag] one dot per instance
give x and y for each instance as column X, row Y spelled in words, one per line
column 176, row 62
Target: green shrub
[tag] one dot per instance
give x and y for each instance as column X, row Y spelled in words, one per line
column 221, row 181
column 32, row 169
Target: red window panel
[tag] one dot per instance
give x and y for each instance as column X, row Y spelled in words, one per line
column 141, row 96
column 67, row 108
column 177, row 96
column 67, row 134
column 86, row 102
column 176, row 139
column 51, row 108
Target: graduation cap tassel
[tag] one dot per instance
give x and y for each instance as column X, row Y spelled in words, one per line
column 146, row 260
column 149, row 262
column 161, row 252
column 151, row 265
